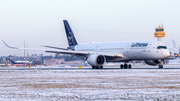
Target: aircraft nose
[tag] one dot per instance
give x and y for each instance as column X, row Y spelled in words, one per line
column 167, row 54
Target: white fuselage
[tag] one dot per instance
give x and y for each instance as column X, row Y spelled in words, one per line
column 132, row 50
column 18, row 62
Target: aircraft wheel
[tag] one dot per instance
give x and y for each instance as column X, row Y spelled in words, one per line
column 129, row 66
column 121, row 66
column 93, row 67
column 160, row 66
column 125, row 66
column 97, row 67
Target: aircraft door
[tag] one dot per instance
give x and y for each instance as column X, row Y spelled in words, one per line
column 127, row 48
column 149, row 48
column 97, row 48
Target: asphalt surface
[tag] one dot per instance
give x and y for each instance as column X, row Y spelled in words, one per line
column 88, row 68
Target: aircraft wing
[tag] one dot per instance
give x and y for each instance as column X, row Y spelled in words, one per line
column 70, row 52
column 82, row 53
column 54, row 47
column 174, row 45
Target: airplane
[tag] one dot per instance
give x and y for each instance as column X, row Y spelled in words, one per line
column 17, row 62
column 96, row 54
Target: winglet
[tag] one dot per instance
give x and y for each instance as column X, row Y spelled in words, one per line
column 174, row 45
column 10, row 46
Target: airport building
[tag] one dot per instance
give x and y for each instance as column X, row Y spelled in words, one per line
column 159, row 33
column 53, row 61
column 42, row 60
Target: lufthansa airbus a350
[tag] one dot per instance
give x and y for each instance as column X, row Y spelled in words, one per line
column 96, row 54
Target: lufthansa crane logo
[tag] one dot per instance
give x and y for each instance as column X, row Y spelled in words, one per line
column 70, row 38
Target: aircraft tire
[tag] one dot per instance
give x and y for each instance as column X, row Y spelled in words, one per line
column 125, row 66
column 97, row 67
column 121, row 66
column 129, row 66
column 160, row 66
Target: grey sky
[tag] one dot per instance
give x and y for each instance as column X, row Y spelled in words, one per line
column 40, row 22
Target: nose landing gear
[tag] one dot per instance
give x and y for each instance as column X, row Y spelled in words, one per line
column 161, row 64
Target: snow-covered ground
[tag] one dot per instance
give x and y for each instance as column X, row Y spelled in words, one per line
column 126, row 84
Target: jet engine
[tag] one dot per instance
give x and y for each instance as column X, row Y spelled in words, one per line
column 152, row 62
column 96, row 60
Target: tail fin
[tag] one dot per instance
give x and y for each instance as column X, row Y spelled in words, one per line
column 69, row 33
column 11, row 59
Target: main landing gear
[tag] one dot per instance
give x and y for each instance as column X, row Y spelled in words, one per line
column 125, row 66
column 97, row 67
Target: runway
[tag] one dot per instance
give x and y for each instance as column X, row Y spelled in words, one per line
column 136, row 67
column 72, row 83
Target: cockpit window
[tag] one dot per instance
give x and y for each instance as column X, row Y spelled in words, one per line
column 161, row 47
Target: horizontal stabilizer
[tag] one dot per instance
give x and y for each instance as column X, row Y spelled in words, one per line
column 54, row 47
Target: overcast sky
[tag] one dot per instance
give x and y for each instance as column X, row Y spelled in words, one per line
column 40, row 22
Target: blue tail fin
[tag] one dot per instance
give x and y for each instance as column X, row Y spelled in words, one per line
column 69, row 33
column 11, row 59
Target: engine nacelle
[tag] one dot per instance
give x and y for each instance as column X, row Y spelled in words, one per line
column 96, row 60
column 152, row 62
